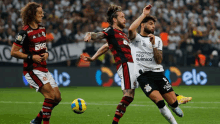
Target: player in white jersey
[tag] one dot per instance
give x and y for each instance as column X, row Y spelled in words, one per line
column 147, row 53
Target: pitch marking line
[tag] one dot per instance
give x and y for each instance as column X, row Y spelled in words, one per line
column 138, row 105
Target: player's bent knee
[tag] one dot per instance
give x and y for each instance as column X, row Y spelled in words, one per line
column 160, row 104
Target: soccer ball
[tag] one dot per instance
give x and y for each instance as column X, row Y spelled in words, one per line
column 78, row 106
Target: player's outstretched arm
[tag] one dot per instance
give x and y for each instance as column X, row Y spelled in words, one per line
column 100, row 51
column 132, row 29
column 93, row 36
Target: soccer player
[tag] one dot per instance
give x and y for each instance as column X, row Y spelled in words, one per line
column 32, row 40
column 148, row 57
column 119, row 45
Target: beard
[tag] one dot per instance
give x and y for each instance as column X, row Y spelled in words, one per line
column 146, row 30
column 37, row 21
column 121, row 25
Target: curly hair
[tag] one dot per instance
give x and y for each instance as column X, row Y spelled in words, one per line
column 147, row 18
column 28, row 12
column 112, row 13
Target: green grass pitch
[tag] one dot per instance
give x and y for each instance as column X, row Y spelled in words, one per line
column 20, row 105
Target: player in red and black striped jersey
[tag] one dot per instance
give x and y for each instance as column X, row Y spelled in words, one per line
column 32, row 40
column 118, row 43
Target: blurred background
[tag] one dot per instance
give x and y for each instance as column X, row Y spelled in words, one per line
column 189, row 29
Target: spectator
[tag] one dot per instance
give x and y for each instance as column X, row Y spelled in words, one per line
column 56, row 34
column 200, row 59
column 49, row 38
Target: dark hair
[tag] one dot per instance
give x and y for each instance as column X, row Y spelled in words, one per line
column 29, row 12
column 112, row 13
column 147, row 18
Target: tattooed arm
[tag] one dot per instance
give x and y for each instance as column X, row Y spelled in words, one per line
column 93, row 36
column 158, row 55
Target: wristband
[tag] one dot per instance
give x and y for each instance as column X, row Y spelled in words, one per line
column 29, row 57
column 154, row 46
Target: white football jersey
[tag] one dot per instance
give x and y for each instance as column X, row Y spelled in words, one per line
column 142, row 53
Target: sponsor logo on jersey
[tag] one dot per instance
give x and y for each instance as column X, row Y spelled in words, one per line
column 140, row 53
column 144, row 59
column 39, row 46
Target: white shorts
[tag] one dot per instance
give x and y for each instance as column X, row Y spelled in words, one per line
column 38, row 78
column 127, row 74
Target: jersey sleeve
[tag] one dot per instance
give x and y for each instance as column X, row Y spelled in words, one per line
column 108, row 32
column 158, row 43
column 20, row 38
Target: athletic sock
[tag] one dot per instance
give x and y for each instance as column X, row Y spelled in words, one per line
column 168, row 115
column 47, row 109
column 39, row 116
column 121, row 108
column 166, row 112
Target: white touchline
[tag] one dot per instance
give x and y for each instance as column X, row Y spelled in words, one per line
column 104, row 104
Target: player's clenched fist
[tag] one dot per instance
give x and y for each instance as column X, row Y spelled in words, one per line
column 152, row 38
column 146, row 10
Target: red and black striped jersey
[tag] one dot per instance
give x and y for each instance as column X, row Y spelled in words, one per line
column 32, row 41
column 119, row 45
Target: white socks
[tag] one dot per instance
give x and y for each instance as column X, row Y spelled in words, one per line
column 168, row 115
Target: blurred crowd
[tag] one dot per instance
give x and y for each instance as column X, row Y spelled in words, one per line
column 189, row 29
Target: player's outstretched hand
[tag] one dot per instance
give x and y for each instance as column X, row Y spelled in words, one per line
column 86, row 58
column 146, row 9
column 152, row 38
column 87, row 38
column 37, row 58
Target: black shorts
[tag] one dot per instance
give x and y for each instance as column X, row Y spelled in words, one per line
column 150, row 81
